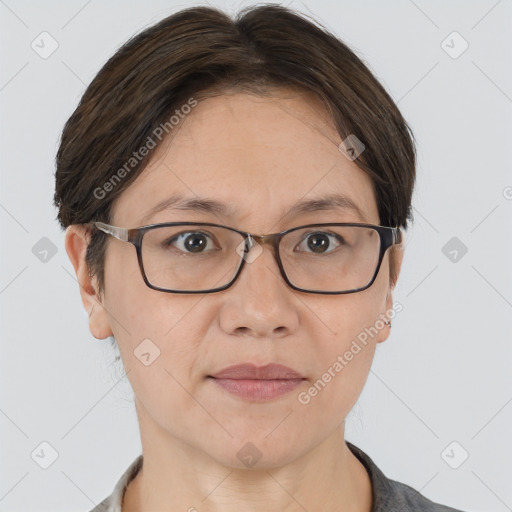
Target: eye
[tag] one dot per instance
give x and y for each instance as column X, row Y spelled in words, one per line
column 192, row 242
column 319, row 242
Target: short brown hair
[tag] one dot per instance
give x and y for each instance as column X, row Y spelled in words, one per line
column 202, row 49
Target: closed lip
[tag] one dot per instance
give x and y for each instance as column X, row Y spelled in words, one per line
column 250, row 371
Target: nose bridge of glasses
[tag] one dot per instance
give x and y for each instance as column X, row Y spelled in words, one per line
column 262, row 239
column 271, row 240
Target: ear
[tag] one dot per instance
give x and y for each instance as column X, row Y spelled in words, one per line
column 396, row 255
column 76, row 241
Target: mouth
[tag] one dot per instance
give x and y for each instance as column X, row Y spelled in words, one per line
column 257, row 383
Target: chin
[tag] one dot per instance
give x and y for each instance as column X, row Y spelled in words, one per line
column 252, row 450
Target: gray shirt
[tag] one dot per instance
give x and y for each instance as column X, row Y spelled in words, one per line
column 387, row 495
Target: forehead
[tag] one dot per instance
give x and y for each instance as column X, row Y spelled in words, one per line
column 256, row 156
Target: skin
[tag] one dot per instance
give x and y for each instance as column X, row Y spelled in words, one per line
column 259, row 155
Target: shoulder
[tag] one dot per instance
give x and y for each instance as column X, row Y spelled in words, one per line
column 390, row 495
column 113, row 502
column 410, row 499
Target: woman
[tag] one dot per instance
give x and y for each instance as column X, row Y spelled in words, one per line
column 234, row 193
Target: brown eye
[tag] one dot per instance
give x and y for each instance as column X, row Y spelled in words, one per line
column 319, row 243
column 192, row 242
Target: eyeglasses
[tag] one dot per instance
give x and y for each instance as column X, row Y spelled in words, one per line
column 189, row 257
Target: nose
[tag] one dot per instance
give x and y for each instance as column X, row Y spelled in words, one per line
column 260, row 304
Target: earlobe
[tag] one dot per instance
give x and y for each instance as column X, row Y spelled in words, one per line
column 76, row 242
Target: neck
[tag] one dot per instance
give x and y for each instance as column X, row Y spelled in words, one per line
column 176, row 476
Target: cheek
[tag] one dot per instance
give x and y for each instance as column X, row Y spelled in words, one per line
column 154, row 331
column 169, row 327
column 344, row 333
column 136, row 311
column 337, row 320
column 160, row 338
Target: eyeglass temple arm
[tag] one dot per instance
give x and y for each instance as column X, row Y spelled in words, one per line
column 119, row 233
column 397, row 235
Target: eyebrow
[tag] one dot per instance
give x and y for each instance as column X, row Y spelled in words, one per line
column 330, row 202
column 212, row 206
column 178, row 202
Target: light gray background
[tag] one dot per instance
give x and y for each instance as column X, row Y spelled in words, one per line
column 443, row 375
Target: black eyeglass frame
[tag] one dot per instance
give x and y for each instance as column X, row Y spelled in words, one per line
column 389, row 236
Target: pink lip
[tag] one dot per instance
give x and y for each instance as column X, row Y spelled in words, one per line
column 251, row 371
column 258, row 383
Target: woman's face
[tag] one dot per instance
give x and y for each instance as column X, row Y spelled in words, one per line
column 259, row 157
